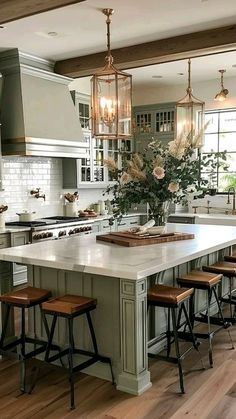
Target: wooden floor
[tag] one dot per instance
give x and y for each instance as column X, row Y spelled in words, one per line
column 211, row 393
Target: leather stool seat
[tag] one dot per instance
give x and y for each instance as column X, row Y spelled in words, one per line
column 69, row 305
column 232, row 257
column 199, row 279
column 168, row 295
column 222, row 267
column 26, row 297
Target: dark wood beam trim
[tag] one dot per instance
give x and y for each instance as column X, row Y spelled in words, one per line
column 17, row 9
column 170, row 49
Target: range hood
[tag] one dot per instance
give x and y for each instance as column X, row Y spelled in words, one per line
column 38, row 116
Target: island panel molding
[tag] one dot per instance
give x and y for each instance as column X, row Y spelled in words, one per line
column 11, row 10
column 179, row 47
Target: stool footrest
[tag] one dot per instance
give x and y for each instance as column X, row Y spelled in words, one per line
column 228, row 300
column 213, row 320
column 94, row 358
column 171, row 358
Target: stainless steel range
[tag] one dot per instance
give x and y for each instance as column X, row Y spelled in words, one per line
column 58, row 227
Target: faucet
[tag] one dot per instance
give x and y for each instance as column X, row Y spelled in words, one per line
column 231, row 188
column 37, row 194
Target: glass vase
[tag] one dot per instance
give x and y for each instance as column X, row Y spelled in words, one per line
column 159, row 212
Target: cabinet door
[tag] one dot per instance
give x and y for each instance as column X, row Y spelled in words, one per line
column 156, row 121
column 106, row 227
column 5, row 241
column 19, row 271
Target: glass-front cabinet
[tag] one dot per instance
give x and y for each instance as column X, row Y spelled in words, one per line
column 90, row 170
column 153, row 121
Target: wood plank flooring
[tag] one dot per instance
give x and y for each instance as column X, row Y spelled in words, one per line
column 210, row 393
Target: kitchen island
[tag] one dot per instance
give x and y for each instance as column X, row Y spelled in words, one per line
column 118, row 277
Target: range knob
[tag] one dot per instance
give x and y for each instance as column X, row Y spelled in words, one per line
column 44, row 235
column 50, row 234
column 62, row 233
column 38, row 237
column 71, row 232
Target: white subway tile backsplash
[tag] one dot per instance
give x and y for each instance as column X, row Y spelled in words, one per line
column 21, row 174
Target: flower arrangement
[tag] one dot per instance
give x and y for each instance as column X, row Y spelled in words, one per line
column 162, row 174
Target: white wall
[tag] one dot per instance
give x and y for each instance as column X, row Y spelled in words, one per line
column 206, row 91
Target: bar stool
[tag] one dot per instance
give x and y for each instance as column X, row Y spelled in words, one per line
column 174, row 299
column 22, row 298
column 207, row 282
column 228, row 269
column 69, row 307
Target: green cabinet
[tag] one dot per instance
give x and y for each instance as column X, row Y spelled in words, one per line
column 90, row 172
column 155, row 121
column 19, row 271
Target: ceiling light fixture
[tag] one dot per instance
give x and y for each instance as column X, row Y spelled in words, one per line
column 221, row 96
column 190, row 115
column 111, row 91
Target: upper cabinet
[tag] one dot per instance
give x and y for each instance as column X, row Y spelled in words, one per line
column 153, row 121
column 90, row 171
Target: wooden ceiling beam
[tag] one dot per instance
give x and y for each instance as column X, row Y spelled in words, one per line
column 17, row 9
column 163, row 50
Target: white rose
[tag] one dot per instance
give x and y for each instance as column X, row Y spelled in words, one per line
column 173, row 187
column 158, row 172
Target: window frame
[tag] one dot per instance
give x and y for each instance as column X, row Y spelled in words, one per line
column 219, row 133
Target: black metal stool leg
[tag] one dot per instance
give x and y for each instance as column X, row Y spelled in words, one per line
column 95, row 344
column 50, row 338
column 181, row 380
column 92, row 332
column 5, row 324
column 192, row 309
column 209, row 294
column 70, row 360
column 226, row 325
column 168, row 333
column 194, row 340
column 22, row 350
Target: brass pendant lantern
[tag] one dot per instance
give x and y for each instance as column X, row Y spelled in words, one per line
column 111, row 91
column 190, row 116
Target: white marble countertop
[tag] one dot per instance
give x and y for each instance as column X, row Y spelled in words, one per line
column 202, row 215
column 85, row 254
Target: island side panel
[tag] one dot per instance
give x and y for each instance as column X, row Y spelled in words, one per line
column 106, row 317
column 6, row 285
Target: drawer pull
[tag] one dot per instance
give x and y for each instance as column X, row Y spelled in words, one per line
column 105, row 226
column 122, row 224
column 134, row 222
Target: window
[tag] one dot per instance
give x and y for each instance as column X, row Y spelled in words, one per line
column 220, row 135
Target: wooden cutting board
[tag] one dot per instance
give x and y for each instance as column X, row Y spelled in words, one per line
column 132, row 240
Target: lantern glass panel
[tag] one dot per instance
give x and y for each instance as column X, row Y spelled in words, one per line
column 189, row 120
column 111, row 105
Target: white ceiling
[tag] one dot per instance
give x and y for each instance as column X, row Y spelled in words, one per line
column 81, row 30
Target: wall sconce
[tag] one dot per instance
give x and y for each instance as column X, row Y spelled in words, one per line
column 221, row 96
